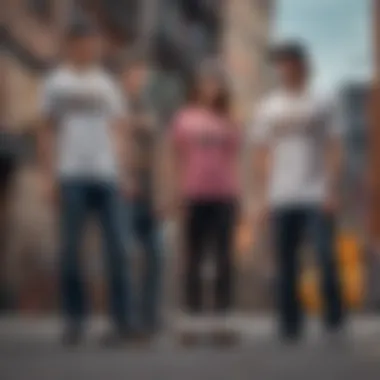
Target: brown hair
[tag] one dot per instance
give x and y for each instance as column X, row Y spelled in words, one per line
column 222, row 102
column 292, row 51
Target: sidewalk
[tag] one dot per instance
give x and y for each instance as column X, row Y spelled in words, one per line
column 251, row 327
column 30, row 350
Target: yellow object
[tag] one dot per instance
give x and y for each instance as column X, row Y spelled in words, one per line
column 244, row 240
column 351, row 271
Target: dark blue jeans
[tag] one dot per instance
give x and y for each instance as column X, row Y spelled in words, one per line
column 79, row 199
column 145, row 229
column 291, row 226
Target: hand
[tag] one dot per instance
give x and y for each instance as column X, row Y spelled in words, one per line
column 50, row 190
column 170, row 210
column 331, row 205
column 130, row 189
column 260, row 216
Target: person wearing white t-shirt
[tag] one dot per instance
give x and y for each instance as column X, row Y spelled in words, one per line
column 81, row 154
column 297, row 135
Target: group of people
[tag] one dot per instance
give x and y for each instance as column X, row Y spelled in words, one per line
column 101, row 152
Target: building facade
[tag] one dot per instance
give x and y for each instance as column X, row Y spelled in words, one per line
column 375, row 131
column 354, row 99
column 177, row 35
column 31, row 33
column 246, row 36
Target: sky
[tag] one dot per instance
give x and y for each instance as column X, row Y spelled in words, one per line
column 338, row 33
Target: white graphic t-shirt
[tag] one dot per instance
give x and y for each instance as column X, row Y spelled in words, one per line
column 84, row 105
column 296, row 128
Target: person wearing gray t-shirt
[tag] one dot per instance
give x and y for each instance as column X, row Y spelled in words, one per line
column 79, row 150
column 297, row 138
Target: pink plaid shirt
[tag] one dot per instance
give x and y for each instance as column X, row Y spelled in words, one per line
column 207, row 147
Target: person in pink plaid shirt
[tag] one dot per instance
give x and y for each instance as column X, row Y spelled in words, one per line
column 206, row 145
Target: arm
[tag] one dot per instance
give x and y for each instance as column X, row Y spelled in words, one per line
column 168, row 176
column 46, row 138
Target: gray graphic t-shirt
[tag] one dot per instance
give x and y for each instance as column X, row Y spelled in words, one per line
column 297, row 129
column 84, row 105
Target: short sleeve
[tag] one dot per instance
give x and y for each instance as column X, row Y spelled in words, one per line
column 260, row 128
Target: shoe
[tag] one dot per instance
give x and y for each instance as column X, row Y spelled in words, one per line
column 337, row 337
column 291, row 337
column 223, row 334
column 225, row 338
column 143, row 337
column 72, row 336
column 116, row 338
column 189, row 339
column 6, row 303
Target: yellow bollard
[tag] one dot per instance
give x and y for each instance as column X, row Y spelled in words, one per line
column 351, row 272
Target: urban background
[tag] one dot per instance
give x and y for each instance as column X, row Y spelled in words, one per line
column 177, row 35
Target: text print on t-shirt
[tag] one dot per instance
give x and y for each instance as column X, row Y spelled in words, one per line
column 89, row 103
column 293, row 124
column 209, row 140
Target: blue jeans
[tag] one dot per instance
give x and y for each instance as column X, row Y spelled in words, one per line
column 80, row 198
column 290, row 228
column 145, row 230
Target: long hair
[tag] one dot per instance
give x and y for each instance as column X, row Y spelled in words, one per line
column 222, row 102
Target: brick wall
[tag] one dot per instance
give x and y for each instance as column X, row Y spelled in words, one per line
column 22, row 87
column 40, row 38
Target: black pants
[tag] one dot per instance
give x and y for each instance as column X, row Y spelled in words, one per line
column 7, row 170
column 290, row 228
column 209, row 225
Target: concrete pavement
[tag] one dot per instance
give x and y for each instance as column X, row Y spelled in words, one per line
column 30, row 350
